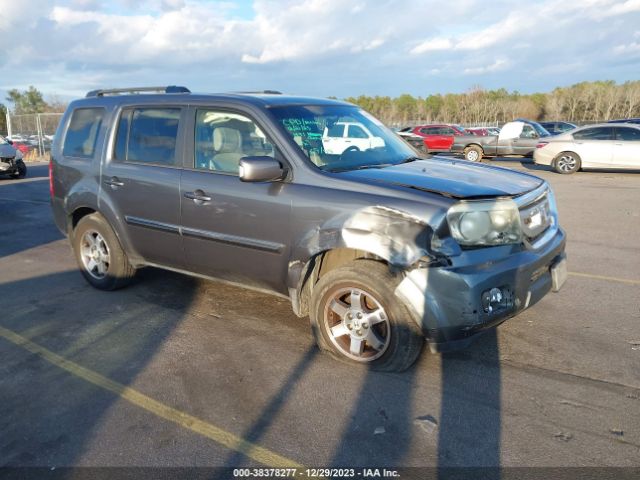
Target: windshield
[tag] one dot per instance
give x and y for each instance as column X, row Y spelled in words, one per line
column 341, row 137
column 3, row 141
column 540, row 130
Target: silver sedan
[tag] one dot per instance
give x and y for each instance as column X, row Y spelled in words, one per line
column 611, row 145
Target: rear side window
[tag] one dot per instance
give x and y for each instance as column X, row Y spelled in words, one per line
column 148, row 135
column 81, row 136
column 596, row 133
column 336, row 130
column 627, row 134
column 356, row 132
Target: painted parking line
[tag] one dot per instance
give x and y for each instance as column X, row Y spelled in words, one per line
column 604, row 277
column 217, row 434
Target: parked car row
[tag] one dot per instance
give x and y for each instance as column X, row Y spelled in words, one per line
column 561, row 145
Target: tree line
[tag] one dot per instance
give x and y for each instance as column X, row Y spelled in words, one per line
column 583, row 102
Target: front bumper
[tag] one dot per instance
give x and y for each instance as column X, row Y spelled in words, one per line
column 447, row 301
column 8, row 166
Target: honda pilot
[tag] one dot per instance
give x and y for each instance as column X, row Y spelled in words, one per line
column 379, row 247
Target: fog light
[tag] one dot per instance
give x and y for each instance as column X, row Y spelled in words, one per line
column 492, row 300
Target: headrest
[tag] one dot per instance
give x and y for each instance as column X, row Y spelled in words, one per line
column 226, row 140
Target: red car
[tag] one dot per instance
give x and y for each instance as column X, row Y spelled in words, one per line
column 23, row 147
column 438, row 138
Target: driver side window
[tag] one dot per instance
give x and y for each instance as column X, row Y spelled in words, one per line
column 528, row 132
column 223, row 138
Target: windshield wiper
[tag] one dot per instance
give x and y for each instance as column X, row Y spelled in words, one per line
column 409, row 159
column 377, row 165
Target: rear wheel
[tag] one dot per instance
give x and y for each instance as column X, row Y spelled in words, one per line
column 567, row 162
column 357, row 318
column 21, row 170
column 473, row 153
column 100, row 257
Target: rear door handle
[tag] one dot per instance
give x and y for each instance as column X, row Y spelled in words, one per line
column 114, row 182
column 198, row 196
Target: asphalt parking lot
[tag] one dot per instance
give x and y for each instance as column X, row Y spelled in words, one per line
column 176, row 371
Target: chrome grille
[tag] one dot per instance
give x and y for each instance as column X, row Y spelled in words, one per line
column 536, row 215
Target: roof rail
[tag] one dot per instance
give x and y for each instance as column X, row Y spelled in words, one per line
column 264, row 92
column 134, row 90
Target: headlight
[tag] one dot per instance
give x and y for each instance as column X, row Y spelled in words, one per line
column 495, row 222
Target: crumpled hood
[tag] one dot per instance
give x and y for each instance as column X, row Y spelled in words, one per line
column 7, row 151
column 453, row 178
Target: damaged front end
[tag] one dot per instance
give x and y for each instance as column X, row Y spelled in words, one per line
column 484, row 284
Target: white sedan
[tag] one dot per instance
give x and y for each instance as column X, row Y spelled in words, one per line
column 609, row 145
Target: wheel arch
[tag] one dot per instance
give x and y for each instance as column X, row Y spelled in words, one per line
column 319, row 265
column 474, row 145
column 82, row 210
column 395, row 237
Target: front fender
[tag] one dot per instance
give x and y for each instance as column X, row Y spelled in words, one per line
column 398, row 237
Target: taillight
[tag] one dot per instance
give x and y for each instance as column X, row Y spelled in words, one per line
column 542, row 144
column 51, row 177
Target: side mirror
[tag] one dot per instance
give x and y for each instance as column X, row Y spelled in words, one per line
column 10, row 142
column 260, row 169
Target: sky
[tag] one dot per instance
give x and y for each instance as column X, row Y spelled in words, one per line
column 316, row 47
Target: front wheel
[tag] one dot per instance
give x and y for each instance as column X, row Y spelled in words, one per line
column 357, row 318
column 21, row 170
column 473, row 153
column 567, row 162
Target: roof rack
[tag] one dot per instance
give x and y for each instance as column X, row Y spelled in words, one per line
column 264, row 92
column 134, row 90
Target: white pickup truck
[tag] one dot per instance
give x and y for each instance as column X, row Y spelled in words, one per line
column 353, row 136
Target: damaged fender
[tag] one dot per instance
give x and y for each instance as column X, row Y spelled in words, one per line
column 400, row 238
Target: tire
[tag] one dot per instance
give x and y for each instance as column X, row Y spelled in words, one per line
column 378, row 332
column 21, row 172
column 94, row 241
column 567, row 162
column 473, row 153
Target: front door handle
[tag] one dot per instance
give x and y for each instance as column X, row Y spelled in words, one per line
column 114, row 182
column 198, row 196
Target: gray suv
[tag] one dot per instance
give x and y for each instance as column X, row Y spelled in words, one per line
column 379, row 247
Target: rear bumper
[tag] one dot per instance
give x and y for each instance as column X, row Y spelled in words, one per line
column 540, row 157
column 447, row 301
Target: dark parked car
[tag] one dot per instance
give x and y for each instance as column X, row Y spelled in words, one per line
column 11, row 162
column 556, row 128
column 626, row 120
column 378, row 247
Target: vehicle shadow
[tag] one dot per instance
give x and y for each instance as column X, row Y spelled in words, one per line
column 465, row 435
column 470, row 415
column 49, row 417
column 535, row 167
column 26, row 216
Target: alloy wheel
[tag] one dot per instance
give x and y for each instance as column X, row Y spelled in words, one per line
column 567, row 163
column 357, row 324
column 94, row 253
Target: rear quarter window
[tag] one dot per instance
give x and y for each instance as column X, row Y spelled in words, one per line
column 82, row 133
column 595, row 133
